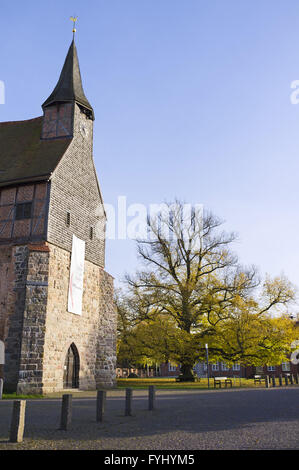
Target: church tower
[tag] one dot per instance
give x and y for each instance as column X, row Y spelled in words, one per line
column 59, row 107
column 57, row 316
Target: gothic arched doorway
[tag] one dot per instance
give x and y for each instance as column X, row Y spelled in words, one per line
column 71, row 368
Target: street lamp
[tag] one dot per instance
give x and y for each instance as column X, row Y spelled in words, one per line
column 207, row 356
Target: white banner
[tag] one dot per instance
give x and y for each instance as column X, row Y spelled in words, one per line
column 76, row 276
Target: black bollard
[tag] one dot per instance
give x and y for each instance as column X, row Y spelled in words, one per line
column 151, row 397
column 273, row 381
column 66, row 412
column 129, row 395
column 280, row 380
column 286, row 380
column 17, row 421
column 101, row 404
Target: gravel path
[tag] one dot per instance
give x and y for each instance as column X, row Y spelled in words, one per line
column 182, row 420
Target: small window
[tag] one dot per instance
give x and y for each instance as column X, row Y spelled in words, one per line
column 91, row 233
column 286, row 366
column 68, row 219
column 224, row 366
column 215, row 366
column 236, row 366
column 271, row 368
column 23, row 211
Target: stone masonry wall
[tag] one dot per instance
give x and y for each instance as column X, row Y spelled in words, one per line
column 15, row 316
column 7, row 294
column 39, row 329
column 6, row 287
column 25, row 318
column 30, row 378
column 74, row 189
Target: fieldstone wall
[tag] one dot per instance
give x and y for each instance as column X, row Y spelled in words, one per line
column 93, row 332
column 15, row 316
column 7, row 293
column 25, row 322
column 38, row 329
column 33, row 330
column 6, row 288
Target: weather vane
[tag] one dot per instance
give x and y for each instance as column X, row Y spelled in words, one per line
column 74, row 19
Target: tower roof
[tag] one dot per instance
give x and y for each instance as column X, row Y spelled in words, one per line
column 69, row 87
column 24, row 156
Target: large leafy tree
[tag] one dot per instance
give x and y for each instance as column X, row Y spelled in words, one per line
column 252, row 339
column 148, row 342
column 245, row 337
column 191, row 276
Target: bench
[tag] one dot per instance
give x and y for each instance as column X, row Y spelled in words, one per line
column 220, row 380
column 258, row 379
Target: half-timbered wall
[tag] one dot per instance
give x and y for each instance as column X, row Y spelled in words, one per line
column 21, row 228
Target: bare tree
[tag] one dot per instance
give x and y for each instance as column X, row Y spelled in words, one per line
column 190, row 274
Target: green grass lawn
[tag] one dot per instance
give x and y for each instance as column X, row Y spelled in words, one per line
column 171, row 384
column 15, row 396
column 160, row 383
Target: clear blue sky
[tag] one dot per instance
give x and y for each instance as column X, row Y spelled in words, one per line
column 192, row 100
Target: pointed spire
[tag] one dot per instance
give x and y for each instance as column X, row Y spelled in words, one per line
column 69, row 87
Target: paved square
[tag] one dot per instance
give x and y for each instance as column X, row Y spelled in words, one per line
column 183, row 420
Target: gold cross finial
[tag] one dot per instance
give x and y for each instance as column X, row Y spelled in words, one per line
column 74, row 19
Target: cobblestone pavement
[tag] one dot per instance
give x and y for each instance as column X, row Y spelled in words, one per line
column 182, row 420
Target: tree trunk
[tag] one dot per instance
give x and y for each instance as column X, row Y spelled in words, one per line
column 186, row 373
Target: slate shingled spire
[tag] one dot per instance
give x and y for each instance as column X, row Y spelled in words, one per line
column 69, row 87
